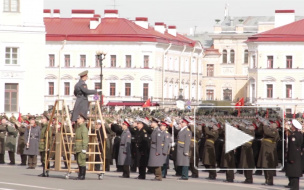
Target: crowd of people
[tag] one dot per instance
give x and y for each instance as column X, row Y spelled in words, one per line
column 146, row 141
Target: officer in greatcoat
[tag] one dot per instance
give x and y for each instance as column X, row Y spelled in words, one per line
column 124, row 155
column 142, row 141
column 117, row 129
column 268, row 155
column 10, row 144
column 156, row 159
column 166, row 148
column 81, row 91
column 81, row 146
column 32, row 136
column 183, row 148
column 209, row 157
column 247, row 159
column 293, row 164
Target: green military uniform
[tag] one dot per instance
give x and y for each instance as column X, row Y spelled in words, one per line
column 2, row 142
column 21, row 144
column 268, row 154
column 209, row 157
column 81, row 145
column 198, row 134
column 42, row 145
column 10, row 144
column 227, row 161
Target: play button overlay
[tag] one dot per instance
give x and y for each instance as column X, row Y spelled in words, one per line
column 235, row 138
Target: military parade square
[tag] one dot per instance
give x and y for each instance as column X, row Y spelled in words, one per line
column 151, row 94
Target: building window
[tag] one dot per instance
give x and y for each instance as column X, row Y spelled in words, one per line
column 51, row 88
column 112, row 89
column 127, row 89
column 113, row 60
column 224, row 56
column 210, row 94
column 11, row 55
column 289, row 62
column 51, row 60
column 269, row 62
column 97, row 85
column 82, row 60
column 66, row 88
column 11, row 98
column 67, row 61
column 246, row 56
column 146, row 61
column 128, row 61
column 269, row 91
column 227, row 94
column 288, row 111
column 146, row 91
column 288, row 91
column 11, row 6
column 210, row 70
column 232, row 56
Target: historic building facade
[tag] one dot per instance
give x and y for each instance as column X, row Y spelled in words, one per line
column 276, row 65
column 22, row 45
column 141, row 61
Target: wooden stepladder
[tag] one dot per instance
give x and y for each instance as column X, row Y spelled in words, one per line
column 60, row 148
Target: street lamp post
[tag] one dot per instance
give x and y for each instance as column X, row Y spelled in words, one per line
column 100, row 56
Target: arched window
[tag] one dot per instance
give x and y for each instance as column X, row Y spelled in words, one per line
column 232, row 56
column 246, row 56
column 224, row 56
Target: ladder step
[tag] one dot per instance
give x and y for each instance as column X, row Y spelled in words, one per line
column 93, row 143
column 94, row 162
column 93, row 152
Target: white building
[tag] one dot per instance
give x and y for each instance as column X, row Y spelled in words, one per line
column 141, row 61
column 276, row 65
column 22, row 55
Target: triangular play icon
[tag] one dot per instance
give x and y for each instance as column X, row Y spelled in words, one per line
column 235, row 138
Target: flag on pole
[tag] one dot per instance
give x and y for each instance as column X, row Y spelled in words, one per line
column 267, row 113
column 147, row 104
column 238, row 105
column 294, row 113
column 285, row 114
column 19, row 117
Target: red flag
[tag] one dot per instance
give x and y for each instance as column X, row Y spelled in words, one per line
column 19, row 117
column 240, row 103
column 267, row 113
column 294, row 115
column 303, row 115
column 147, row 103
column 285, row 114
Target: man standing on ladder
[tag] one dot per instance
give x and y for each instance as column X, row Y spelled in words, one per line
column 81, row 91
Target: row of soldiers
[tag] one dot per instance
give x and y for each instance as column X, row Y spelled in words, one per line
column 139, row 147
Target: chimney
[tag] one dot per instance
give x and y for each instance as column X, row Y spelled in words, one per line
column 283, row 17
column 56, row 13
column 142, row 22
column 172, row 30
column 160, row 27
column 83, row 13
column 94, row 22
column 46, row 12
column 111, row 13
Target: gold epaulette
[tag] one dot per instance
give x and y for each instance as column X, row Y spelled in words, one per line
column 166, row 131
column 144, row 131
column 188, row 130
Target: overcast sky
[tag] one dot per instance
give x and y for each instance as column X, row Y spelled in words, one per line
column 182, row 13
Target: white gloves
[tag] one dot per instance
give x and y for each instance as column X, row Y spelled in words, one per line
column 99, row 90
column 84, row 151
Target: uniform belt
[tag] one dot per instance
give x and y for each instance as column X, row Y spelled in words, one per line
column 249, row 142
column 194, row 140
column 42, row 140
column 122, row 144
column 78, row 140
column 209, row 140
column 180, row 142
column 153, row 142
column 268, row 140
